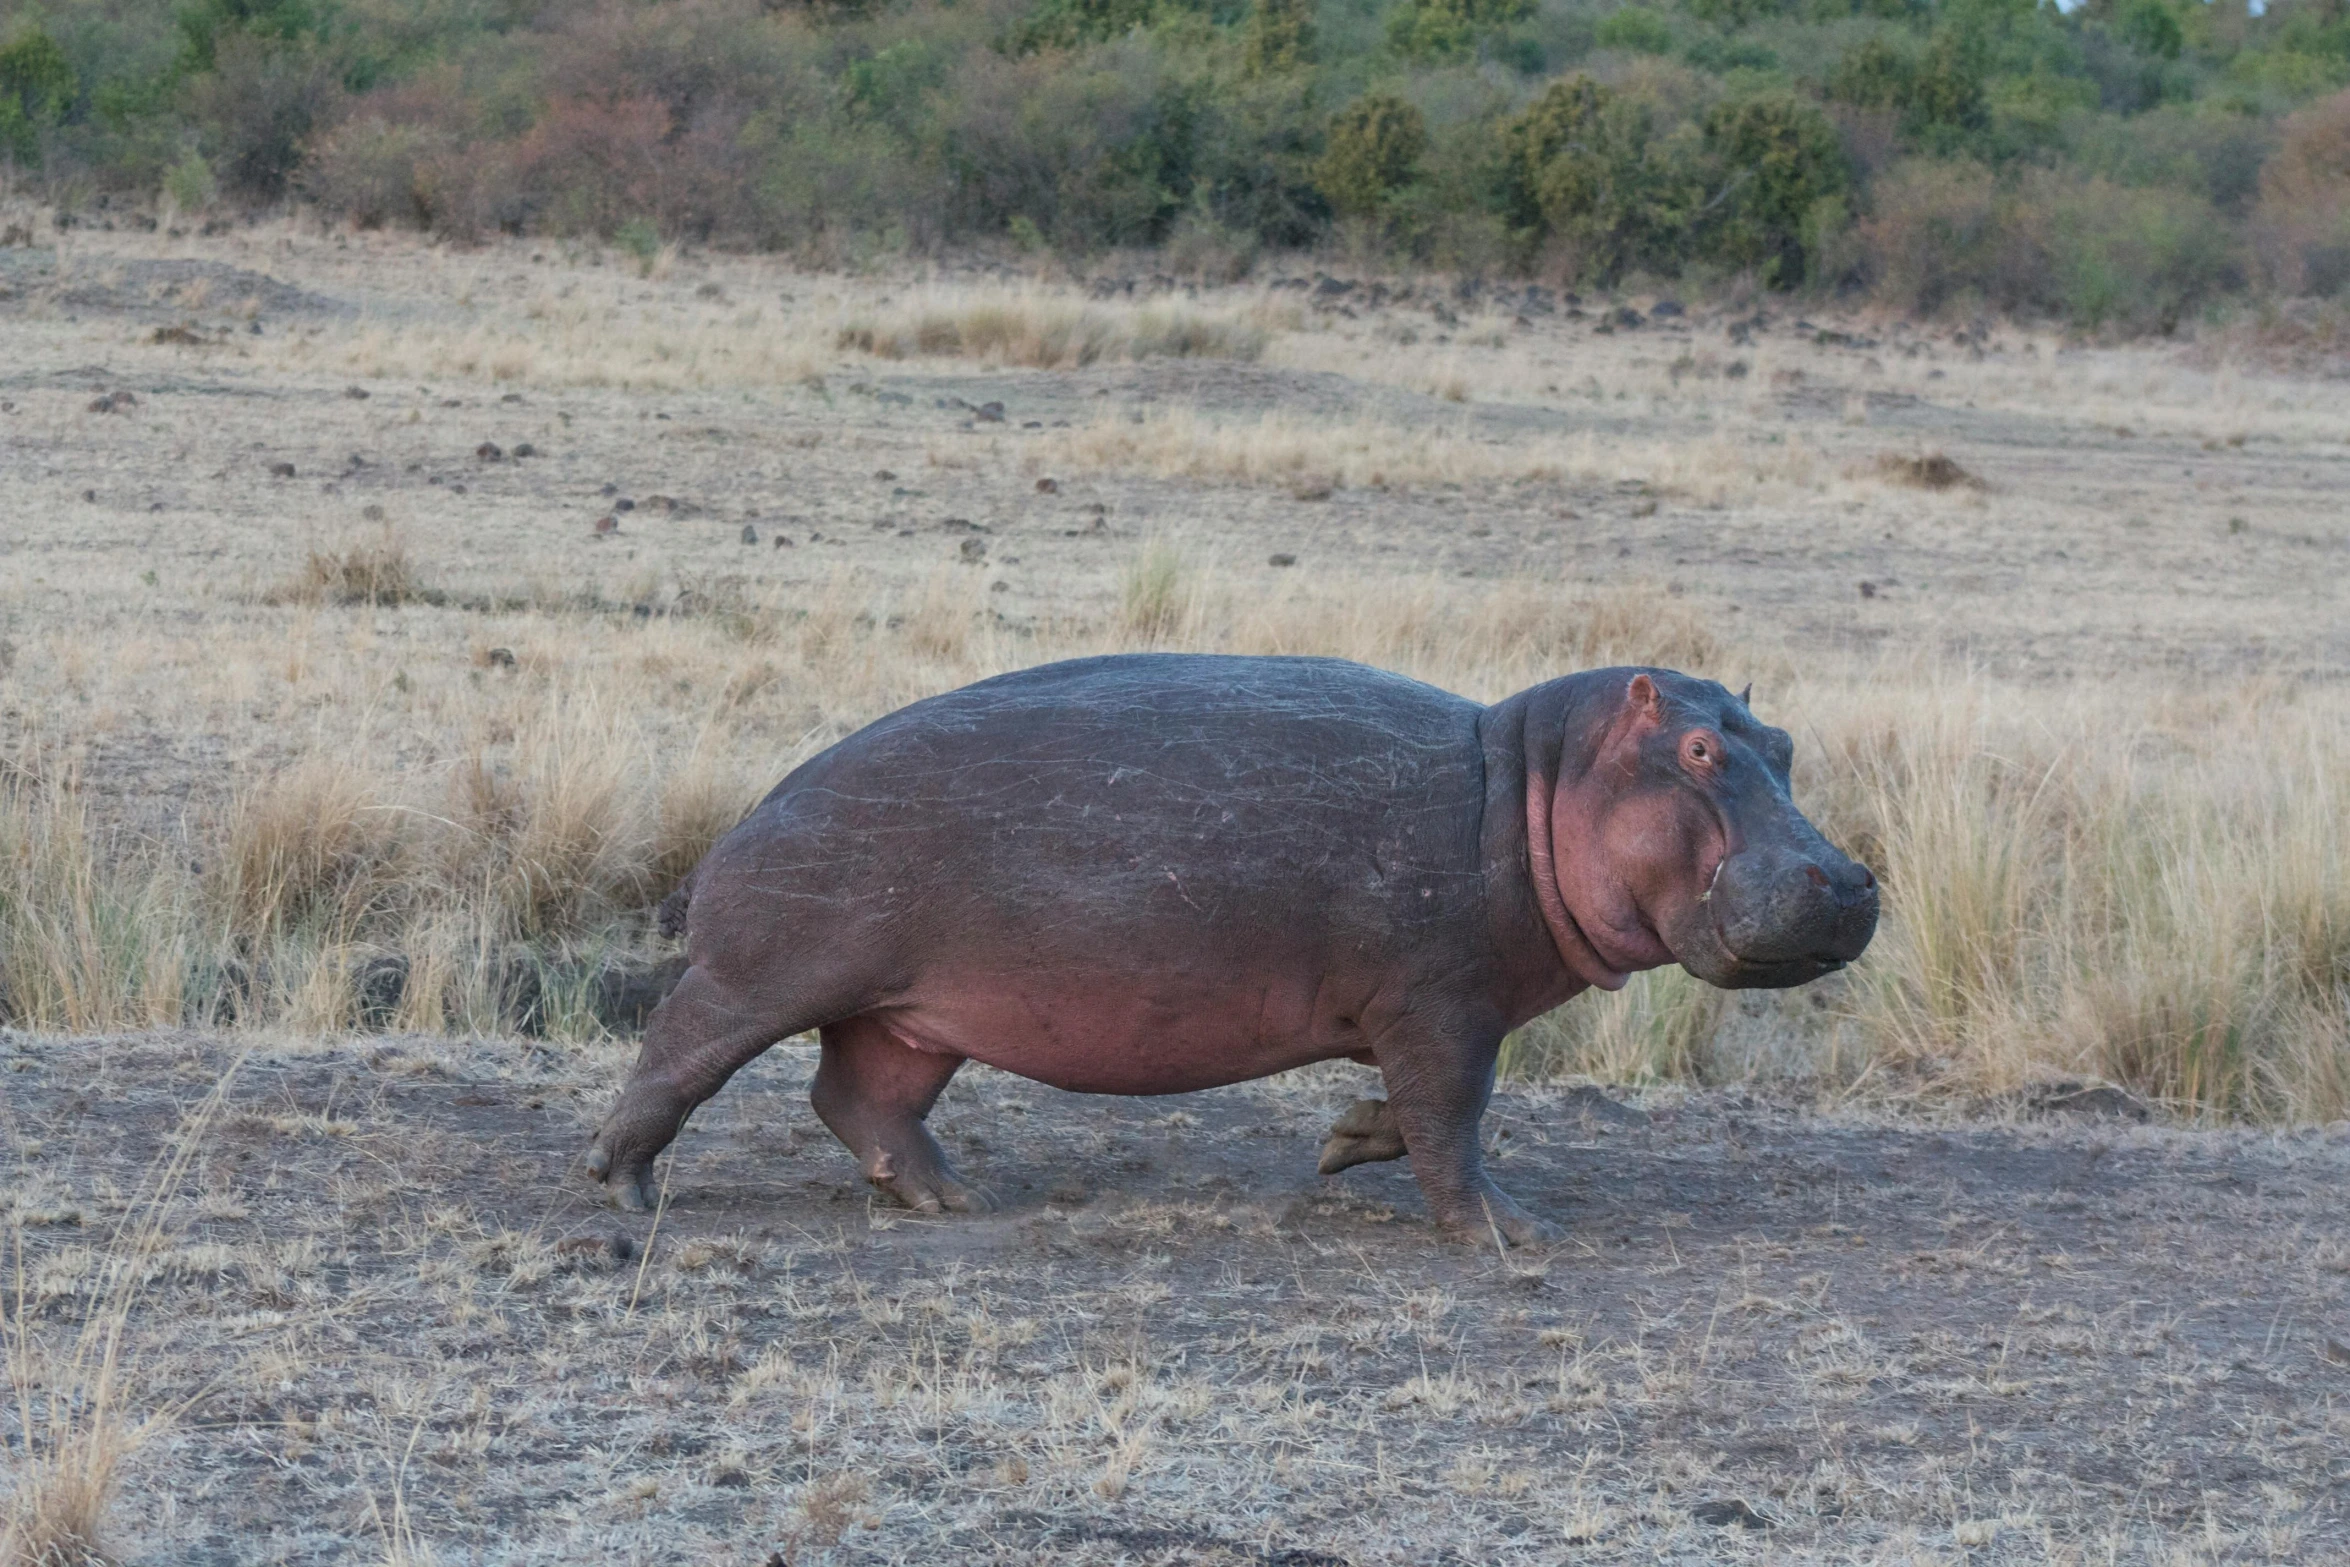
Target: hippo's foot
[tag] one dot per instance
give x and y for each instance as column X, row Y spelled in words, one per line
column 1365, row 1134
column 873, row 1090
column 925, row 1183
column 1492, row 1214
column 632, row 1136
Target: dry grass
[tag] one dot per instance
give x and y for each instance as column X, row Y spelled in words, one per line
column 1046, row 330
column 2144, row 901
column 1310, row 457
column 375, row 571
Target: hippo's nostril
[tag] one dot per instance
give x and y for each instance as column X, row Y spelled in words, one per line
column 1819, row 878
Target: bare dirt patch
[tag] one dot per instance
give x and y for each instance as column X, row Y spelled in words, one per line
column 1772, row 1334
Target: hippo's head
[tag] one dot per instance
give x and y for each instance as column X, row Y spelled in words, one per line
column 1679, row 842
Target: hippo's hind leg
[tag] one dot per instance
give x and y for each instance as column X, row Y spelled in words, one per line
column 874, row 1090
column 1365, row 1134
column 698, row 1037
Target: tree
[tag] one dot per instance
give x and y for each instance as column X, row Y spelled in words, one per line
column 1774, row 156
column 37, row 87
column 1372, row 153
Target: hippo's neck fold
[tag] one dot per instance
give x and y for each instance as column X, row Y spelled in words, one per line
column 1551, row 762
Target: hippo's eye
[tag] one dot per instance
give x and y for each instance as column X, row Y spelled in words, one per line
column 1701, row 751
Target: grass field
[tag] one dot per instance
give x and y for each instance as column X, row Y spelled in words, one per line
column 384, row 629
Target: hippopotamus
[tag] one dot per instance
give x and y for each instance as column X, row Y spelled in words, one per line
column 1155, row 873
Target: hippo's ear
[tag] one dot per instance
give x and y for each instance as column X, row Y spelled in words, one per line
column 1643, row 701
column 1746, row 697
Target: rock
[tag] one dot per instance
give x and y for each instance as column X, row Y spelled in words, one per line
column 500, row 658
column 526, row 450
column 378, row 984
column 357, row 394
column 1048, row 486
column 1589, row 1103
column 974, row 551
column 783, row 541
column 989, row 413
column 90, row 495
column 1282, row 559
column 609, row 490
column 750, row 534
column 1628, row 318
column 1728, row 1512
column 489, row 451
column 605, row 525
column 281, row 470
column 624, row 504
column 2100, row 1101
column 180, row 337
column 884, row 475
column 112, row 402
column 626, row 993
column 1665, row 310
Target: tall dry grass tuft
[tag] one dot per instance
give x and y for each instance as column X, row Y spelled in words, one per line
column 378, row 572
column 1049, row 331
column 90, row 940
column 1158, row 596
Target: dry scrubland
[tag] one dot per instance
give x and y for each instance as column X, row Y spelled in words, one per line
column 374, row 665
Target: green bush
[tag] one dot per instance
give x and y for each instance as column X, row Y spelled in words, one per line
column 1775, row 157
column 1443, row 29
column 1280, row 37
column 37, row 87
column 1372, row 154
column 1587, row 171
column 1636, row 30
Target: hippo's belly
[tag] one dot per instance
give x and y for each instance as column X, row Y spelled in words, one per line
column 1112, row 1033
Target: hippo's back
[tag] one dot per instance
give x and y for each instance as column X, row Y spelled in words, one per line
column 1131, row 788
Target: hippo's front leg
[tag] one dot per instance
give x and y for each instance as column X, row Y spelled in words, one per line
column 1437, row 1084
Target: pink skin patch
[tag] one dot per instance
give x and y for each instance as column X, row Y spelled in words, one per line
column 1125, row 1033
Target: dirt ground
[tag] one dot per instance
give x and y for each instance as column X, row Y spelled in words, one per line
column 395, row 1322
column 388, row 1321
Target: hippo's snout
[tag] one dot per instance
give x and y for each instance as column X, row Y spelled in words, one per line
column 1787, row 916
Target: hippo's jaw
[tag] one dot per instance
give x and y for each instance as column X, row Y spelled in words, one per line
column 1773, row 918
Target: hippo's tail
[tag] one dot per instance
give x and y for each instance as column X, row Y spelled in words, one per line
column 671, row 916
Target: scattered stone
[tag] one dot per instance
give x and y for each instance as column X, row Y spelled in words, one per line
column 1282, row 559
column 526, row 450
column 500, row 658
column 607, row 524
column 884, row 475
column 1048, row 486
column 624, row 504
column 511, row 397
column 177, row 337
column 1933, row 471
column 489, row 451
column 974, row 551
column 378, row 984
column 1589, row 1103
column 1665, row 310
column 783, row 541
column 1868, row 590
column 2099, row 1101
column 1728, row 1512
column 750, row 534
column 609, row 490
column 1627, row 318
column 281, row 470
column 372, row 512
column 112, row 402
column 89, row 495
column 989, row 413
